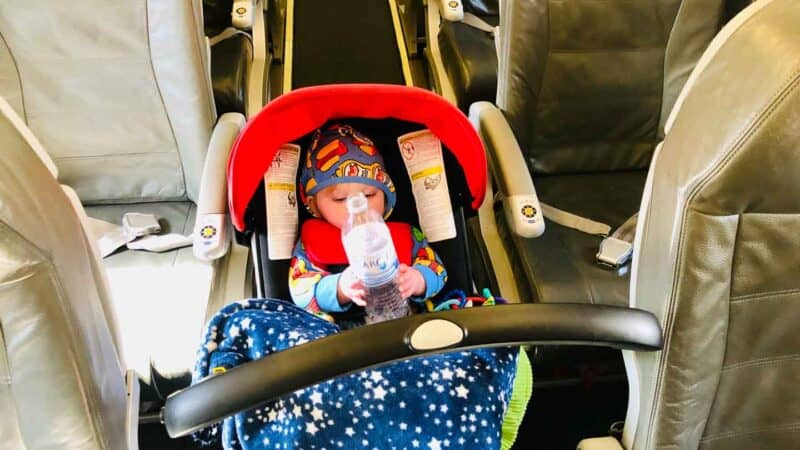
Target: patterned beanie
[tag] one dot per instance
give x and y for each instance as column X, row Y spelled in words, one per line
column 340, row 154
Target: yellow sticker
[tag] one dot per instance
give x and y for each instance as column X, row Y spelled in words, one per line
column 426, row 173
column 218, row 370
column 280, row 187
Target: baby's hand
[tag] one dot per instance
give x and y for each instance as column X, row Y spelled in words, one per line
column 410, row 281
column 351, row 289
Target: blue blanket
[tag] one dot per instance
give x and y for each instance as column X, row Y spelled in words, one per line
column 451, row 401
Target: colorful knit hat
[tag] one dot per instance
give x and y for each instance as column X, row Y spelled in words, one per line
column 340, row 154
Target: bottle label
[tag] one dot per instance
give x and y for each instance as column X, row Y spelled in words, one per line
column 378, row 270
column 371, row 252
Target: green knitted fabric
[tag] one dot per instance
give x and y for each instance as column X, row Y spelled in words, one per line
column 523, row 384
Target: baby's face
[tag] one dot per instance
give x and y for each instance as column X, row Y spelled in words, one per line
column 331, row 202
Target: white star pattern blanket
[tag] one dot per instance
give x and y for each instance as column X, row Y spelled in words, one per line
column 450, row 401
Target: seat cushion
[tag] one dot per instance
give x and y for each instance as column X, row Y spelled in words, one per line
column 470, row 60
column 560, row 265
column 160, row 298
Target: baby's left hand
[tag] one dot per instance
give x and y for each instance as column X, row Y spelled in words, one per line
column 410, row 281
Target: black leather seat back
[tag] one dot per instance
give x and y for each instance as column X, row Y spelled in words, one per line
column 587, row 85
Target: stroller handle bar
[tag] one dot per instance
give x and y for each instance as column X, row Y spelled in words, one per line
column 257, row 382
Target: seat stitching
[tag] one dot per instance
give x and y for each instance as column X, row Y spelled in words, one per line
column 19, row 78
column 51, row 272
column 670, row 306
column 754, row 123
column 185, row 225
column 206, row 70
column 766, row 361
column 770, row 295
column 606, row 50
column 161, row 95
column 729, row 434
column 112, row 155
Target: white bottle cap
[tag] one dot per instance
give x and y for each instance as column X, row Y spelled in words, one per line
column 357, row 203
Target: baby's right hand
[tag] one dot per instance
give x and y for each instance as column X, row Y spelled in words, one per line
column 351, row 288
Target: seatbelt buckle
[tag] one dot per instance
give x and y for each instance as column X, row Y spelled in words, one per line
column 135, row 225
column 614, row 253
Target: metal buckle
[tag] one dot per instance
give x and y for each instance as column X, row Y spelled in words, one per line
column 614, row 253
column 136, row 225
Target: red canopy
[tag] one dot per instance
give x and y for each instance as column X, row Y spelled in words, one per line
column 300, row 112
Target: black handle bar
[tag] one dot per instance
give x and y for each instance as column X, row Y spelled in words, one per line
column 252, row 384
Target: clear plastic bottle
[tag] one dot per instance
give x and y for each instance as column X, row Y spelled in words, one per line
column 371, row 254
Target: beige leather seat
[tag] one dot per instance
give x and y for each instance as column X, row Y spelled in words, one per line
column 719, row 250
column 119, row 95
column 62, row 383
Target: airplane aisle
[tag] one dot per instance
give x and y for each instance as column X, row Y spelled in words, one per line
column 345, row 41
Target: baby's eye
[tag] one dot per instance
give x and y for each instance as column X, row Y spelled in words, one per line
column 370, row 194
column 339, row 199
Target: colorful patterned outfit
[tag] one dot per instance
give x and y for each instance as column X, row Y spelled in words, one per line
column 340, row 154
column 313, row 284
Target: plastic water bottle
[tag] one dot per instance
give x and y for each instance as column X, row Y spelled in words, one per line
column 371, row 254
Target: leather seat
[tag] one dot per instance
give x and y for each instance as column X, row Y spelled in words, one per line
column 230, row 66
column 564, row 267
column 469, row 56
column 62, row 383
column 120, row 96
column 718, row 250
column 586, row 88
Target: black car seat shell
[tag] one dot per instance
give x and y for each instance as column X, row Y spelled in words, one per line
column 296, row 115
column 469, row 54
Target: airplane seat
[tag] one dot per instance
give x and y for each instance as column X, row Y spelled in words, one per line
column 586, row 87
column 217, row 16
column 62, row 384
column 231, row 59
column 119, row 95
column 231, row 56
column 718, row 250
column 468, row 54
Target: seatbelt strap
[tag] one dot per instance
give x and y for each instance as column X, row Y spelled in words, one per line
column 138, row 232
column 616, row 247
column 574, row 221
column 476, row 22
column 226, row 34
column 480, row 24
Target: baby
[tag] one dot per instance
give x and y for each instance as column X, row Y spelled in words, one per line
column 341, row 162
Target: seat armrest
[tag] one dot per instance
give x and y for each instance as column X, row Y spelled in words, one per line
column 451, row 10
column 509, row 168
column 211, row 226
column 602, row 443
